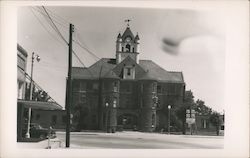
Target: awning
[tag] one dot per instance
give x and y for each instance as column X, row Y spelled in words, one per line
column 39, row 105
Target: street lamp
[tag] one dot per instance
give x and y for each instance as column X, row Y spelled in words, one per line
column 27, row 135
column 169, row 107
column 155, row 102
column 107, row 105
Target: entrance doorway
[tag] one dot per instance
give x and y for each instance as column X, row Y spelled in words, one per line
column 128, row 121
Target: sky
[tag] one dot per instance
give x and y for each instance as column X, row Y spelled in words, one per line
column 190, row 41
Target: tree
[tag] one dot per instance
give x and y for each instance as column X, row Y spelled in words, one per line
column 216, row 121
column 188, row 102
column 201, row 108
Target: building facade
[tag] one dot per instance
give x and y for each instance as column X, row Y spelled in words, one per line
column 125, row 92
column 21, row 79
column 42, row 106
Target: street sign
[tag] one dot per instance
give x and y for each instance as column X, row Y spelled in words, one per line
column 190, row 120
column 190, row 116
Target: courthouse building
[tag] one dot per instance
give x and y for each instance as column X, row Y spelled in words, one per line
column 125, row 92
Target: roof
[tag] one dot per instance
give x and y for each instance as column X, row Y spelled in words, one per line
column 101, row 69
column 155, row 72
column 39, row 105
column 22, row 50
column 145, row 70
column 126, row 33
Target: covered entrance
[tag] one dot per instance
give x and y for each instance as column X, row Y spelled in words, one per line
column 128, row 121
column 22, row 113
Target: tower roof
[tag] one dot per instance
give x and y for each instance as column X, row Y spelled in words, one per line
column 126, row 33
column 137, row 37
column 119, row 35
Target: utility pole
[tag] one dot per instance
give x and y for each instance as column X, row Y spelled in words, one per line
column 27, row 135
column 69, row 88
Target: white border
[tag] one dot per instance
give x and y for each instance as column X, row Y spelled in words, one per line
column 237, row 81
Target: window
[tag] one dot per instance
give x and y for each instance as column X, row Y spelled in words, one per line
column 128, row 87
column 95, row 86
column 115, row 87
column 115, row 102
column 205, row 123
column 127, row 48
column 122, row 49
column 106, row 101
column 82, row 87
column 142, row 88
column 159, row 89
column 171, row 89
column 133, row 50
column 127, row 101
column 141, row 102
column 128, row 71
column 83, row 98
column 154, row 87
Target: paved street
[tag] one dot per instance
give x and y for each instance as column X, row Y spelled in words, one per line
column 138, row 140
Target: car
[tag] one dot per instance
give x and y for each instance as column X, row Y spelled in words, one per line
column 37, row 131
column 221, row 131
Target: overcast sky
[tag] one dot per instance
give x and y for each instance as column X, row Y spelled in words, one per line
column 178, row 40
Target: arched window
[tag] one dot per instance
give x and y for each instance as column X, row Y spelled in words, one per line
column 127, row 48
column 133, row 50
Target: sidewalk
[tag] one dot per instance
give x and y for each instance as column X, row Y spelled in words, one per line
column 54, row 144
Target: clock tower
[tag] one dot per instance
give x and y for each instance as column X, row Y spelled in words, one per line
column 127, row 45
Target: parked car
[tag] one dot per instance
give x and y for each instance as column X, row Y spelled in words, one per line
column 37, row 131
column 221, row 131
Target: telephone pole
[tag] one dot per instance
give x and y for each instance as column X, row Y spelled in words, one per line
column 69, row 88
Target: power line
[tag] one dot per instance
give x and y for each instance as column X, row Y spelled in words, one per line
column 45, row 27
column 83, row 46
column 59, row 17
column 36, row 84
column 78, row 43
column 57, row 30
column 58, row 21
column 81, row 62
column 53, row 25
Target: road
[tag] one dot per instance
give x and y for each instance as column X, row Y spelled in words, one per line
column 139, row 140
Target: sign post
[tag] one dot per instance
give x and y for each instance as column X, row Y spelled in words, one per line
column 190, row 118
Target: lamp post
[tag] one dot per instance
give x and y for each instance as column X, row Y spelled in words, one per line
column 155, row 102
column 169, row 107
column 106, row 111
column 27, row 135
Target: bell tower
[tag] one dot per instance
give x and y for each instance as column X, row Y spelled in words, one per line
column 127, row 45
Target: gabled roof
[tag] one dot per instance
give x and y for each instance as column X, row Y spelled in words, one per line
column 155, row 72
column 126, row 33
column 98, row 69
column 111, row 74
column 145, row 70
column 80, row 72
column 128, row 61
